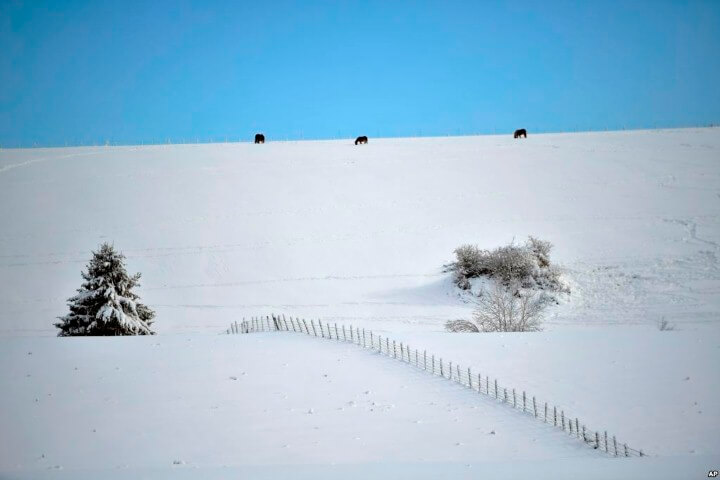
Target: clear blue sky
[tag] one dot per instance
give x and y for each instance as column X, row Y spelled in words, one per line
column 131, row 71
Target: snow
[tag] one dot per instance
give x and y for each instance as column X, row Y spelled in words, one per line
column 156, row 406
column 359, row 235
column 246, row 399
column 331, row 230
column 654, row 390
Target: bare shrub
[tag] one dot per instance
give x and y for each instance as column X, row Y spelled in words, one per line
column 461, row 326
column 528, row 264
column 469, row 260
column 510, row 263
column 504, row 309
column 540, row 249
column 665, row 326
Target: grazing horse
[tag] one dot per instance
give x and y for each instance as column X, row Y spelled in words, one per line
column 259, row 138
column 362, row 139
column 520, row 133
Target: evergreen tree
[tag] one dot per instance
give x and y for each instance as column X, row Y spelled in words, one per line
column 105, row 304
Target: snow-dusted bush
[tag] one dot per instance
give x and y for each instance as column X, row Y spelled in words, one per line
column 528, row 264
column 665, row 326
column 461, row 326
column 503, row 309
column 105, row 304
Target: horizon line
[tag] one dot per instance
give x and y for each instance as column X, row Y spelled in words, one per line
column 328, row 139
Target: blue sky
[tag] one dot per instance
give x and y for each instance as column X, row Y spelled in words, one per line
column 130, row 71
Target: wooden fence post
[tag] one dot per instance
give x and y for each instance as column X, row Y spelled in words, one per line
column 312, row 322
column 554, row 416
column 417, row 363
column 615, row 445
column 583, row 434
column 306, row 327
column 496, row 389
column 433, row 364
column 450, row 369
column 577, row 427
column 606, row 442
column 441, row 369
column 352, row 335
column 322, row 332
column 523, row 401
column 469, row 378
column 425, row 359
column 505, row 400
column 597, row 441
column 562, row 415
column 626, row 451
column 337, row 337
column 514, row 401
column 394, row 350
column 534, row 407
column 363, row 338
column 344, row 336
column 372, row 341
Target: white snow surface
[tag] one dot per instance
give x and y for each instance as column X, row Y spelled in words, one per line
column 359, row 235
column 149, row 407
column 331, row 230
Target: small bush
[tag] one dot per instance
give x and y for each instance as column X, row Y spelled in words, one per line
column 665, row 326
column 503, row 309
column 528, row 265
column 508, row 310
column 461, row 326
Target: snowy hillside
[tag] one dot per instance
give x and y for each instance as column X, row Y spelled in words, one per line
column 359, row 234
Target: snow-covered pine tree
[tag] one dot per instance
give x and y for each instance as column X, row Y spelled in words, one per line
column 105, row 304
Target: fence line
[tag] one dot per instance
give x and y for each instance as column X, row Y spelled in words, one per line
column 517, row 399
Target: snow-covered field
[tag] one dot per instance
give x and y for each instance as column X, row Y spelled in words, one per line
column 83, row 408
column 330, row 230
column 359, row 235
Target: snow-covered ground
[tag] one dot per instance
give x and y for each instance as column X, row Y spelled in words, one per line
column 331, row 230
column 149, row 407
column 359, row 235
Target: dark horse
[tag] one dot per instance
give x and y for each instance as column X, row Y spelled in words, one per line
column 259, row 138
column 520, row 133
column 360, row 140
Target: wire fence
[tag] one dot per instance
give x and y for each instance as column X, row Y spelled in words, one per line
column 517, row 399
